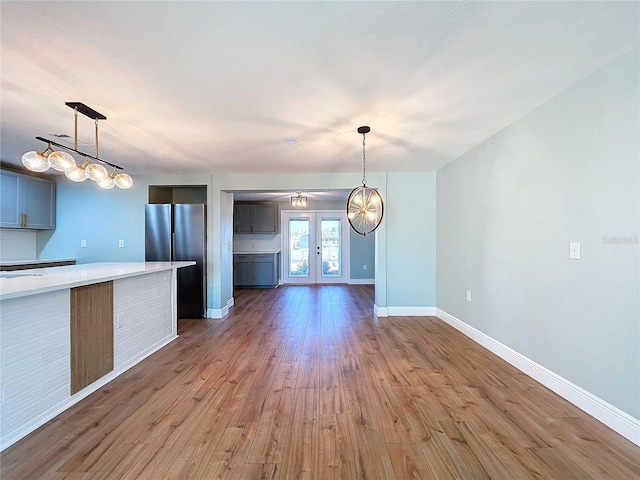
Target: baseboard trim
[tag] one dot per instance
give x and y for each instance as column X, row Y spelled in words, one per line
column 362, row 281
column 60, row 407
column 217, row 313
column 611, row 416
column 380, row 311
column 411, row 311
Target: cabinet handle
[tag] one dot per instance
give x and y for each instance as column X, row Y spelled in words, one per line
column 23, row 220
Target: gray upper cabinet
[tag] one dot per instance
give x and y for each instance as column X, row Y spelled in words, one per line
column 27, row 202
column 255, row 218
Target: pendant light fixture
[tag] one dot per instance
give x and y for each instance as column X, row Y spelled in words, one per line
column 364, row 205
column 298, row 201
column 62, row 161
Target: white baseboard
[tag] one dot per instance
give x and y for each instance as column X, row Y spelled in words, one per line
column 362, row 281
column 404, row 311
column 60, row 407
column 380, row 311
column 411, row 311
column 614, row 418
column 220, row 312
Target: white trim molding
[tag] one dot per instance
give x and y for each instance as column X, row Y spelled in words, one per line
column 220, row 312
column 362, row 281
column 404, row 311
column 380, row 311
column 411, row 311
column 614, row 418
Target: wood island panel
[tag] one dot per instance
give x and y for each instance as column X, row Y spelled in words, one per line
column 91, row 333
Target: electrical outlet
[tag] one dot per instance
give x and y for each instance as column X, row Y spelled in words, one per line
column 120, row 320
column 121, row 243
column 364, row 267
column 83, row 243
column 468, row 295
column 574, row 250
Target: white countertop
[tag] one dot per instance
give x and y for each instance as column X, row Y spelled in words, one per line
column 20, row 283
column 242, row 252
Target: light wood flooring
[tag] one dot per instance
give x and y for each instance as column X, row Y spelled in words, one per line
column 305, row 382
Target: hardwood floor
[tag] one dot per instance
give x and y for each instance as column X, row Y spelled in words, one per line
column 304, row 382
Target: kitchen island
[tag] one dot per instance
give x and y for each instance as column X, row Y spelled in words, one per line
column 50, row 332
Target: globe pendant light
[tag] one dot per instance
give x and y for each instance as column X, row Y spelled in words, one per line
column 123, row 181
column 37, row 161
column 96, row 172
column 64, row 162
column 61, row 161
column 78, row 174
column 108, row 182
column 364, row 205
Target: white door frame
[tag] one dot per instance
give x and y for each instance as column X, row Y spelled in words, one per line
column 315, row 270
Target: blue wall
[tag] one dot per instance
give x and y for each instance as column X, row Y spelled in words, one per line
column 101, row 217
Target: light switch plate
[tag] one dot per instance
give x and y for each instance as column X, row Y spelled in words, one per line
column 468, row 295
column 574, row 250
column 120, row 243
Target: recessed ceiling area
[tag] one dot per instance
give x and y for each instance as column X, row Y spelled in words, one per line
column 281, row 87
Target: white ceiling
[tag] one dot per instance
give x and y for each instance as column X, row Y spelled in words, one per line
column 221, row 86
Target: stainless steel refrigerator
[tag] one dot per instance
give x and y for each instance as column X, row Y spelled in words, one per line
column 178, row 233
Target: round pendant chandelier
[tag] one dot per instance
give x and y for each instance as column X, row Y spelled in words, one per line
column 364, row 205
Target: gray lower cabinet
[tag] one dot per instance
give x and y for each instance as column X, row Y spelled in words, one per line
column 259, row 270
column 27, row 202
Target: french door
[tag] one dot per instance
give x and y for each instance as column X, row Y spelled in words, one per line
column 316, row 247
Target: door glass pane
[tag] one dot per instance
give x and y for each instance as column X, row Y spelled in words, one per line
column 299, row 247
column 330, row 240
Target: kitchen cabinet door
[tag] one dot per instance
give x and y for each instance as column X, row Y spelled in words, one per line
column 10, row 204
column 27, row 202
column 241, row 270
column 262, row 270
column 265, row 218
column 40, row 203
column 242, row 215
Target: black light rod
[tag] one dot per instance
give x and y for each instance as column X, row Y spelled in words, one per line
column 51, row 142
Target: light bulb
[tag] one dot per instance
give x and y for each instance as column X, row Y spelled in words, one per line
column 96, row 172
column 35, row 161
column 61, row 161
column 123, row 181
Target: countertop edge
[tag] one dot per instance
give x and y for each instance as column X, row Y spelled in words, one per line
column 79, row 275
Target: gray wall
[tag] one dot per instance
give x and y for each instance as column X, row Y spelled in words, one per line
column 411, row 233
column 506, row 212
column 363, row 250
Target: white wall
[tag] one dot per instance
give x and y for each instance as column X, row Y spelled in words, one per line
column 506, row 212
column 17, row 244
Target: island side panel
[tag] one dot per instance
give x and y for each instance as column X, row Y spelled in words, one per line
column 144, row 316
column 91, row 334
column 34, row 363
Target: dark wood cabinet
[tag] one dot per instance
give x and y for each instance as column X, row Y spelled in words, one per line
column 255, row 218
